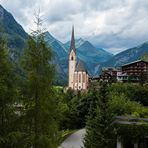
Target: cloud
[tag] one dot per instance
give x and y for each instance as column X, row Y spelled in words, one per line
column 111, row 24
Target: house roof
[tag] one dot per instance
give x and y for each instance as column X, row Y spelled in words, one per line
column 80, row 67
column 130, row 120
column 134, row 62
column 109, row 68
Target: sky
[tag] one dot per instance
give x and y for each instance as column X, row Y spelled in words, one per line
column 114, row 25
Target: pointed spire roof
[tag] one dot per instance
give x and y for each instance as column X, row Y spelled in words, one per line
column 72, row 45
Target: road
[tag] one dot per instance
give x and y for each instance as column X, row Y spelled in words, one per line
column 75, row 140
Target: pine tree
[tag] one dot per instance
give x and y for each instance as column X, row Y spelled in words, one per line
column 8, row 116
column 40, row 104
column 99, row 129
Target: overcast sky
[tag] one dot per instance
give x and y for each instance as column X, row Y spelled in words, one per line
column 114, row 25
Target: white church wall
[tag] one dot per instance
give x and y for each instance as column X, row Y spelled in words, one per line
column 80, row 86
column 76, row 81
column 80, row 80
column 72, row 64
column 84, row 80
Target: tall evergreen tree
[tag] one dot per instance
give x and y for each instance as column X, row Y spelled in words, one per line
column 40, row 104
column 99, row 129
column 8, row 114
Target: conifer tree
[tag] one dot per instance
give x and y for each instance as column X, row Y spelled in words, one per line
column 99, row 129
column 7, row 98
column 40, row 104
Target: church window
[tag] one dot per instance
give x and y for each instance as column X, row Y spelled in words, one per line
column 76, row 78
column 72, row 58
column 83, row 77
column 79, row 78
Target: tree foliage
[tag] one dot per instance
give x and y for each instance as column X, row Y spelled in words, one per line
column 8, row 93
column 41, row 113
column 114, row 100
column 137, row 93
column 99, row 128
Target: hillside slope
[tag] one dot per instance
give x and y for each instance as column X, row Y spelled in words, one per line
column 127, row 56
column 13, row 32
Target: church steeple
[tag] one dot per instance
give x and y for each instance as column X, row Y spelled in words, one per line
column 77, row 75
column 72, row 45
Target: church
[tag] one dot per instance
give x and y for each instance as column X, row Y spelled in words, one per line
column 77, row 74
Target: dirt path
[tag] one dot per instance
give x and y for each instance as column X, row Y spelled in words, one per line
column 75, row 140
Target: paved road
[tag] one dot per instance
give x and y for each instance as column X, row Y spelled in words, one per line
column 75, row 140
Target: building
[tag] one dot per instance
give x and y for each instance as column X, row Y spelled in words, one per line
column 109, row 74
column 135, row 68
column 77, row 74
column 94, row 79
column 136, row 71
column 122, row 77
column 110, row 70
column 132, row 132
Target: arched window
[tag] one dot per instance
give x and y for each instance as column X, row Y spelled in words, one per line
column 79, row 78
column 83, row 77
column 72, row 58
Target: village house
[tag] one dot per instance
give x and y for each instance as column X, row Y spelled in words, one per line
column 135, row 72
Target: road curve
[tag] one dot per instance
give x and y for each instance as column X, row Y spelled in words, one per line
column 75, row 140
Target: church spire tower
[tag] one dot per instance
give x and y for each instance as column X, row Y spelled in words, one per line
column 72, row 61
column 77, row 74
column 72, row 45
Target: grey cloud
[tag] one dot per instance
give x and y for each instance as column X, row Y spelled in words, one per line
column 111, row 24
column 102, row 5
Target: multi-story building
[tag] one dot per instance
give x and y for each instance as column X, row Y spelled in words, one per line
column 122, row 77
column 109, row 73
column 135, row 68
column 136, row 71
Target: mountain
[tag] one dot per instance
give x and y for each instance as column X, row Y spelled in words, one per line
column 86, row 52
column 60, row 57
column 13, row 31
column 78, row 43
column 17, row 37
column 89, row 55
column 127, row 56
column 93, row 57
column 145, row 57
